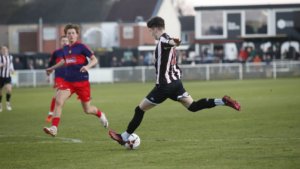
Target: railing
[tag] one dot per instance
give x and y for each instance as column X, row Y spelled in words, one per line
column 33, row 78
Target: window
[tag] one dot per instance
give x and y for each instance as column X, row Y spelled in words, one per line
column 212, row 23
column 49, row 33
column 256, row 22
column 128, row 32
column 184, row 37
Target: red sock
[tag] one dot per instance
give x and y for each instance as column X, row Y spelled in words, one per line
column 52, row 104
column 99, row 113
column 55, row 121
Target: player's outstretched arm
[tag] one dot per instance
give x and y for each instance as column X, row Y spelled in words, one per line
column 93, row 62
column 59, row 64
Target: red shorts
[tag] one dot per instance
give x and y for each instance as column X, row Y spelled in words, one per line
column 82, row 89
column 58, row 82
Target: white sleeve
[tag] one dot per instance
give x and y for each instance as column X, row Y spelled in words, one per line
column 164, row 40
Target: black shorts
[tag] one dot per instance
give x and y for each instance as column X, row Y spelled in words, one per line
column 173, row 91
column 4, row 81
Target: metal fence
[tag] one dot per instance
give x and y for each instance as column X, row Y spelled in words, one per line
column 237, row 71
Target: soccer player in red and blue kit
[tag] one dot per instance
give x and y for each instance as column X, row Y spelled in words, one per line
column 76, row 79
column 59, row 73
column 168, row 84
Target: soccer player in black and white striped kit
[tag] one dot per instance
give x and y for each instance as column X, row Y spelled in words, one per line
column 6, row 69
column 168, row 83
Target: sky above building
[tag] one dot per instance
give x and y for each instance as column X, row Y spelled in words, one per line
column 237, row 2
column 188, row 5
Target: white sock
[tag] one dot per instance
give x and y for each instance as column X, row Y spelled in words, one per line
column 219, row 102
column 125, row 136
column 50, row 113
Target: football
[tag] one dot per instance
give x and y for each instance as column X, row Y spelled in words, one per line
column 133, row 142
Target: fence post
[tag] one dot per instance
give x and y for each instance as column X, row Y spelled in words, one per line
column 143, row 74
column 207, row 72
column 274, row 70
column 34, row 78
column 17, row 78
column 241, row 71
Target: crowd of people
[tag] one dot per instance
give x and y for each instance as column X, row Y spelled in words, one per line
column 247, row 54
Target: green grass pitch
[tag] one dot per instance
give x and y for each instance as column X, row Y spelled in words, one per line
column 264, row 135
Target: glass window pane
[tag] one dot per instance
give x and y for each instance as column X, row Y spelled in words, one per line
column 212, row 23
column 256, row 22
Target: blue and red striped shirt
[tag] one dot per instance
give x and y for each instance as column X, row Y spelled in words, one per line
column 56, row 57
column 75, row 56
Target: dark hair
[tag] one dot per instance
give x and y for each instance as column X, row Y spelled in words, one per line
column 157, row 22
column 72, row 26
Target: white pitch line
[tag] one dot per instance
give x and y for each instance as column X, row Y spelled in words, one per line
column 73, row 140
column 64, row 139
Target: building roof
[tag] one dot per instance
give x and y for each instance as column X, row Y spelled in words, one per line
column 7, row 8
column 78, row 11
column 131, row 10
column 58, row 11
column 187, row 23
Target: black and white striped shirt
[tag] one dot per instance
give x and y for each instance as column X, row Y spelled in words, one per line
column 8, row 67
column 166, row 66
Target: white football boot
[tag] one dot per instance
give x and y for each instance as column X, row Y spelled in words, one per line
column 0, row 107
column 51, row 130
column 8, row 106
column 104, row 120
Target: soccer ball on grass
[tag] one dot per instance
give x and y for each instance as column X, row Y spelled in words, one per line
column 133, row 142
